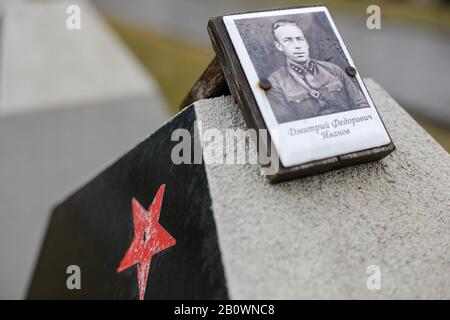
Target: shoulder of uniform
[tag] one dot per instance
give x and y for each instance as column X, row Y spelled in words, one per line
column 278, row 75
column 328, row 65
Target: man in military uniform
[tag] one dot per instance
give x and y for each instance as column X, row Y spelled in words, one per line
column 305, row 87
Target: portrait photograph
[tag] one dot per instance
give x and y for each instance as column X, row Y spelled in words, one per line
column 303, row 80
column 302, row 59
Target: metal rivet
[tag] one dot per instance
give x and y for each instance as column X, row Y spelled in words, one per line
column 351, row 71
column 265, row 84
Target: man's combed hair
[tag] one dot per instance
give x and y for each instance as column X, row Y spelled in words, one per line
column 283, row 22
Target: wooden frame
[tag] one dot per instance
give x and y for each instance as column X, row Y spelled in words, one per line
column 231, row 78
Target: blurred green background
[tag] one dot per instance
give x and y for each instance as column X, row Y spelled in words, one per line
column 176, row 61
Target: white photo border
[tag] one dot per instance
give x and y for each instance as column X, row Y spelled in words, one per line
column 299, row 150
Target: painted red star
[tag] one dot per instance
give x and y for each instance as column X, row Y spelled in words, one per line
column 149, row 239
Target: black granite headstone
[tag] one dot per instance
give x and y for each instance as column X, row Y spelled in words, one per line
column 94, row 228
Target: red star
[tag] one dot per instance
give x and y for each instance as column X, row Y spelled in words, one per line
column 149, row 239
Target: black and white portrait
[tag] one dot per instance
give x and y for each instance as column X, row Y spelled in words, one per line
column 302, row 60
column 302, row 79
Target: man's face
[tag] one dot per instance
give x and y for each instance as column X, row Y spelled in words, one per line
column 291, row 41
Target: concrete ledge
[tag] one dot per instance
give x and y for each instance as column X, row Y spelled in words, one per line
column 44, row 65
column 315, row 237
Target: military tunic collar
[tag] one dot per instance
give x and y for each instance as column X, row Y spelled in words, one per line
column 309, row 66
